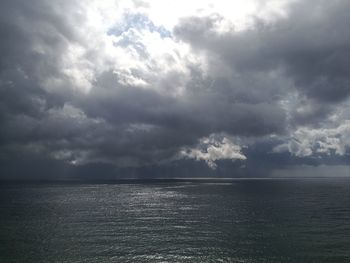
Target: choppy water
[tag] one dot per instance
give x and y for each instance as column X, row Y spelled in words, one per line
column 242, row 221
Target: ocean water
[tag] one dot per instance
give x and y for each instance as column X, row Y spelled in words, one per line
column 228, row 221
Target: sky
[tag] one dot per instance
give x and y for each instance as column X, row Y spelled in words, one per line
column 123, row 89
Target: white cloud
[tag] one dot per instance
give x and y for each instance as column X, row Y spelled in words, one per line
column 306, row 142
column 212, row 149
column 96, row 50
column 236, row 12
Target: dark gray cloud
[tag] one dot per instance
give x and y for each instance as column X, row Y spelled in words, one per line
column 79, row 98
column 310, row 46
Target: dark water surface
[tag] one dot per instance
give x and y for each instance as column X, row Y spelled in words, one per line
column 238, row 221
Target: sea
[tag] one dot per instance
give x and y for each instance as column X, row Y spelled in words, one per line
column 231, row 220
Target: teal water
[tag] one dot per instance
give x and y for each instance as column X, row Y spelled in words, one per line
column 238, row 221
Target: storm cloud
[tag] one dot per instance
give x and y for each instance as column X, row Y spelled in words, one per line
column 121, row 88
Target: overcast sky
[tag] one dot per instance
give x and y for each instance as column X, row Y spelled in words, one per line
column 108, row 89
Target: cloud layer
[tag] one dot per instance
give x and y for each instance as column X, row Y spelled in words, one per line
column 139, row 85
